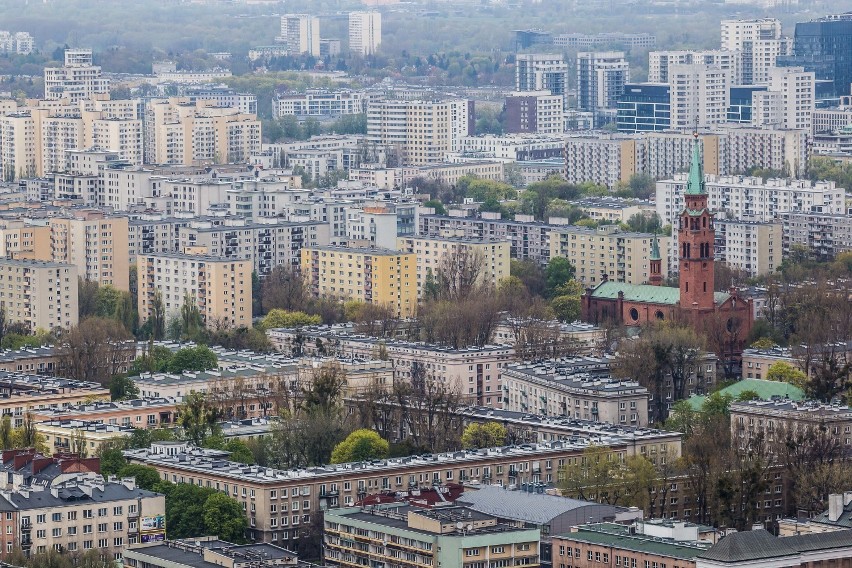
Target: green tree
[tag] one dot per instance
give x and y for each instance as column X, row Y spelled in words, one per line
column 155, row 360
column 487, row 435
column 567, row 303
column 198, row 358
column 122, row 387
column 225, row 518
column 559, row 272
column 360, row 445
column 596, row 476
column 6, row 431
column 786, row 373
column 439, row 207
column 284, row 318
column 146, row 476
column 198, row 418
column 112, row 461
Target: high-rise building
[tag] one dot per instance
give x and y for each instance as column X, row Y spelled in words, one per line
column 300, row 33
column 699, row 96
column 44, row 295
column 538, row 112
column 759, row 42
column 365, row 32
column 825, row 47
column 659, row 62
column 541, row 72
column 644, row 107
column 78, row 79
column 751, row 246
column 420, row 132
column 789, row 100
column 601, row 76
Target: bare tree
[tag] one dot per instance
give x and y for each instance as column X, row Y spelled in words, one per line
column 461, row 273
column 96, row 350
column 284, row 288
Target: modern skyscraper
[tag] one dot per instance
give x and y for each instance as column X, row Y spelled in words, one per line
column 601, row 76
column 365, row 32
column 541, row 72
column 825, row 47
column 301, row 34
column 759, row 42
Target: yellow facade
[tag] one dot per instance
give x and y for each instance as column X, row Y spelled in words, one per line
column 374, row 276
column 31, row 242
column 97, row 245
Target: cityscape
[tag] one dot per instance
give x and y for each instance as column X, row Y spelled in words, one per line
column 426, row 284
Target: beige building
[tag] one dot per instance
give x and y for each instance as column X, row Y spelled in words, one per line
column 614, row 209
column 488, row 260
column 76, row 80
column 606, row 253
column 375, row 276
column 220, row 287
column 365, row 32
column 42, row 295
column 80, row 437
column 20, row 240
column 422, row 132
column 178, row 132
column 24, row 392
column 752, row 246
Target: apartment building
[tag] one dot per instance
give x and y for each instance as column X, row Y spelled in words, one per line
column 80, row 514
column 96, row 244
column 23, row 392
column 21, row 240
column 606, row 253
column 604, row 160
column 422, row 131
column 614, row 209
column 203, row 552
column 512, row 147
column 80, row 437
column 759, row 42
column 754, row 247
column 473, row 372
column 699, row 94
column 39, row 294
column 139, row 413
column 825, row 235
column 767, row 417
column 375, row 276
column 319, row 103
column 780, row 149
column 76, row 80
column 301, row 34
column 219, row 287
column 831, row 119
column 660, row 62
column 17, row 42
column 411, row 536
column 528, row 240
column 365, row 32
column 281, row 502
column 485, row 261
column 788, row 102
column 537, row 112
column 263, row 245
column 153, row 233
column 759, row 548
column 601, row 76
column 542, row 72
column 177, row 132
column 580, row 388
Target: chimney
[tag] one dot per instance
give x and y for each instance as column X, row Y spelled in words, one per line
column 847, row 497
column 835, row 506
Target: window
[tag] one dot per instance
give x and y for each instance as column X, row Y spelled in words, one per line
column 118, row 510
column 41, row 533
column 56, row 517
column 471, row 552
column 102, row 512
column 56, row 532
column 118, row 526
column 102, row 527
column 87, row 529
column 41, row 518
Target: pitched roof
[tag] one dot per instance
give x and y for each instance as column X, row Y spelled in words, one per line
column 820, row 541
column 655, row 249
column 537, row 508
column 764, row 389
column 695, row 182
column 646, row 293
column 750, row 545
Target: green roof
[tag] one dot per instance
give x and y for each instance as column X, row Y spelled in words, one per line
column 764, row 389
column 695, row 182
column 617, row 536
column 645, row 293
column 655, row 249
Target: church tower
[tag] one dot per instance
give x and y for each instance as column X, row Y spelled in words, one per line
column 656, row 264
column 695, row 238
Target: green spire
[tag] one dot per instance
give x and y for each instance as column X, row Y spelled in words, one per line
column 655, row 249
column 695, row 184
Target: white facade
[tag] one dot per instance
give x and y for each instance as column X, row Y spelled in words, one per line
column 301, row 34
column 789, row 101
column 699, row 96
column 365, row 32
column 78, row 79
column 659, row 62
column 319, row 103
column 600, row 79
column 21, row 43
column 751, row 246
column 760, row 43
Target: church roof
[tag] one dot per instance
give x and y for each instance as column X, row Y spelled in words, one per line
column 645, row 293
column 695, row 182
column 655, row 249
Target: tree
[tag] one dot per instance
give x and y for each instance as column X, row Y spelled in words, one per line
column 531, row 274
column 198, row 418
column 567, row 304
column 596, row 476
column 360, row 445
column 224, row 517
column 559, row 271
column 199, row 358
column 284, row 289
column 112, row 460
column 146, row 476
column 156, row 359
column 487, row 435
column 784, row 372
column 325, row 390
column 282, row 318
column 95, row 350
column 122, row 387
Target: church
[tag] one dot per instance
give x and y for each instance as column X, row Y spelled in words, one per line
column 694, row 301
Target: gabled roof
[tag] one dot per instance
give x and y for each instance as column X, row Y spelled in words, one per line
column 748, row 546
column 646, row 293
column 695, row 182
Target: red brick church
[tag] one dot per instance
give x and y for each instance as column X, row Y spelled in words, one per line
column 695, row 300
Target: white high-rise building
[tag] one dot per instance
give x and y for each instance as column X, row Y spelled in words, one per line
column 600, row 79
column 788, row 102
column 659, row 62
column 699, row 95
column 300, row 33
column 759, row 42
column 77, row 80
column 365, row 32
